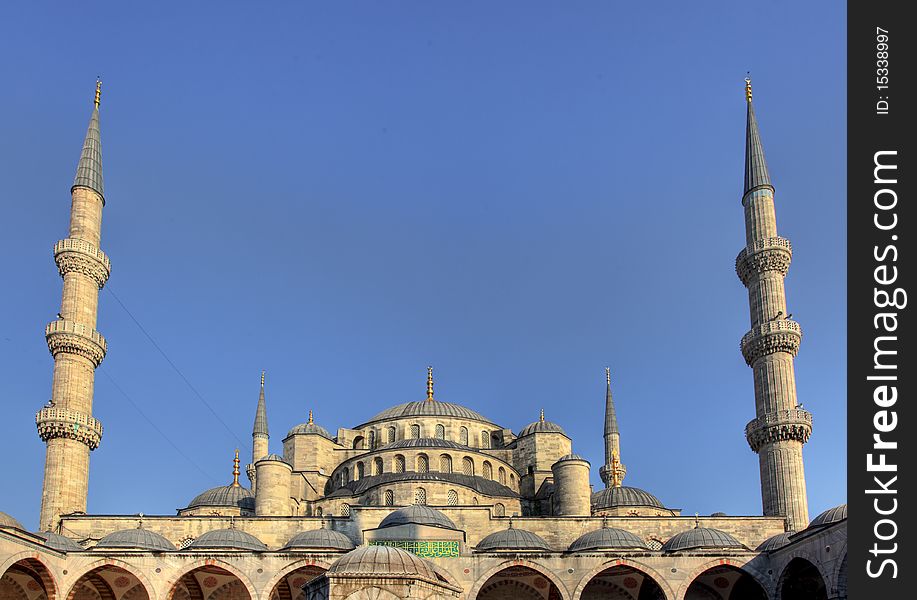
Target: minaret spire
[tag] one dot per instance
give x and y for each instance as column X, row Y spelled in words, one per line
column 260, row 436
column 613, row 471
column 67, row 425
column 780, row 427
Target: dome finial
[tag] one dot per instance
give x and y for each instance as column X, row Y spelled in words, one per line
column 608, row 375
column 696, row 520
column 235, row 470
column 748, row 86
column 98, row 98
column 140, row 521
column 429, row 383
column 262, row 378
column 541, row 418
column 310, row 416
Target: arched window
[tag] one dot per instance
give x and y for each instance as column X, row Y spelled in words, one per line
column 502, row 476
column 372, row 439
column 463, row 436
column 399, row 464
column 474, row 501
column 345, row 476
column 467, row 466
column 512, row 480
column 423, row 463
column 488, row 470
column 415, row 431
column 499, row 510
column 485, row 439
column 445, row 463
column 420, row 496
column 389, row 498
column 391, row 434
column 452, row 498
column 345, row 510
column 378, row 467
column 361, row 470
column 440, row 432
column 318, row 511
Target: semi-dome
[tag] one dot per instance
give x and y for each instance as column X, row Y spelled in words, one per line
column 830, row 516
column 320, row 539
column 225, row 495
column 139, row 539
column 512, row 539
column 417, row 515
column 775, row 542
column 701, row 537
column 428, row 408
column 624, row 496
column 607, row 538
column 541, row 426
column 58, row 542
column 8, row 521
column 228, row 539
column 423, row 443
column 382, row 561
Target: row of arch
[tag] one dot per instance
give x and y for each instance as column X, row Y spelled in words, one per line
column 423, row 464
column 29, row 579
column 420, row 497
column 374, row 439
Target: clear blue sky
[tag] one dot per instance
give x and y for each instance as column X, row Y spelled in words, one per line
column 518, row 193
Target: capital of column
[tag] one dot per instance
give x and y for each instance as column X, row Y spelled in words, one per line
column 76, row 255
column 769, row 254
column 55, row 422
column 70, row 337
column 778, row 426
column 781, row 335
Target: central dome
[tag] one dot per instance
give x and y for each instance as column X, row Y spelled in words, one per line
column 429, row 408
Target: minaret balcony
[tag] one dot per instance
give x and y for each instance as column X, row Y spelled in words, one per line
column 76, row 255
column 769, row 254
column 778, row 426
column 55, row 423
column 780, row 335
column 70, row 337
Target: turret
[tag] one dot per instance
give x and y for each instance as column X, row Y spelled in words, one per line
column 272, row 498
column 260, row 437
column 780, row 427
column 571, row 486
column 66, row 423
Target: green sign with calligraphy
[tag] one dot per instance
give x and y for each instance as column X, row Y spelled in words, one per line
column 423, row 548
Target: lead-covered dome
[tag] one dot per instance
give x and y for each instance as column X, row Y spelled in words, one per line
column 428, row 408
column 541, row 426
column 383, row 561
column 58, row 542
column 829, row 517
column 417, row 515
column 8, row 521
column 135, row 539
column 512, row 539
column 701, row 537
column 624, row 496
column 423, row 443
column 225, row 495
column 775, row 542
column 310, row 428
column 228, row 539
column 607, row 538
column 320, row 539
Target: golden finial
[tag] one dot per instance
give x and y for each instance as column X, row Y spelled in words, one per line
column 140, row 521
column 429, row 383
column 98, row 98
column 607, row 375
column 235, row 470
column 310, row 416
column 696, row 520
column 262, row 378
column 542, row 416
column 748, row 88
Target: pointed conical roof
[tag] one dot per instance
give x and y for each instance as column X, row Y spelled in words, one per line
column 611, row 419
column 756, row 174
column 89, row 169
column 260, row 427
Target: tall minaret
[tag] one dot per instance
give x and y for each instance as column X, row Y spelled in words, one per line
column 613, row 471
column 66, row 423
column 781, row 427
column 260, row 435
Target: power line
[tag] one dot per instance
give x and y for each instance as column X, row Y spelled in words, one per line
column 175, row 368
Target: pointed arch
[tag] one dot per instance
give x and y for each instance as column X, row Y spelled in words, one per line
column 801, row 579
column 36, row 569
column 91, row 574
column 699, row 573
column 281, row 579
column 636, row 565
column 541, row 570
column 174, row 581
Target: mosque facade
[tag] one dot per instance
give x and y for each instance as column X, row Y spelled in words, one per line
column 428, row 499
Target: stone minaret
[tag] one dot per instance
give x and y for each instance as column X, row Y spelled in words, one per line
column 613, row 471
column 781, row 427
column 66, row 423
column 260, row 436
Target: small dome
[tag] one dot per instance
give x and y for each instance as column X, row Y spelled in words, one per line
column 571, row 458
column 624, row 496
column 382, row 561
column 701, row 537
column 273, row 458
column 775, row 542
column 225, row 495
column 58, row 542
column 830, row 516
column 428, row 408
column 607, row 538
column 417, row 515
column 423, row 443
column 320, row 539
column 228, row 539
column 541, row 427
column 512, row 539
column 718, row 514
column 310, row 428
column 8, row 521
column 139, row 539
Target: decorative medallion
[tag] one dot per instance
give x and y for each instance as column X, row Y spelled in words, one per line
column 721, row 582
column 630, row 583
column 210, row 581
column 122, row 581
